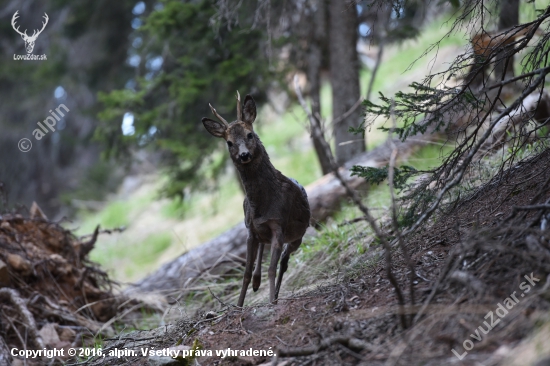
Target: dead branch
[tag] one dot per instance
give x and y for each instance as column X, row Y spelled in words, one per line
column 402, row 246
column 450, row 265
column 533, row 207
column 221, row 302
column 12, row 296
column 376, row 66
column 514, row 79
column 105, row 231
column 349, row 342
column 5, row 355
column 516, row 209
column 353, row 221
column 341, row 118
column 468, row 280
column 87, row 247
column 458, row 173
column 355, row 198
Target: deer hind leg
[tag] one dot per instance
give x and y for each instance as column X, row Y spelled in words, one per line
column 257, row 276
column 251, row 249
column 289, row 249
column 276, row 249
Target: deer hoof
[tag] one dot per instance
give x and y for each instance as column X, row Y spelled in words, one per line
column 256, row 283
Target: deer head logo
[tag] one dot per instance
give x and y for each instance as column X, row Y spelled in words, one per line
column 29, row 40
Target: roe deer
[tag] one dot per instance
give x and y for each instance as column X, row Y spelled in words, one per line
column 276, row 208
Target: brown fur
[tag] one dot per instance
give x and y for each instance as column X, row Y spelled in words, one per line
column 484, row 43
column 276, row 208
column 483, row 46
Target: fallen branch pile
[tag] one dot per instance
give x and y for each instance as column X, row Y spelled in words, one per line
column 51, row 296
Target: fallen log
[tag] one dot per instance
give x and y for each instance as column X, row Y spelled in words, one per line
column 229, row 248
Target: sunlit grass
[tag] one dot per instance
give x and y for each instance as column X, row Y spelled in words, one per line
column 132, row 259
column 116, row 213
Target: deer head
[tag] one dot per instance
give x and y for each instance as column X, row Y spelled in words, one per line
column 29, row 40
column 241, row 140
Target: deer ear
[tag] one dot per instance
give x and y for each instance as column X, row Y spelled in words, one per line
column 215, row 128
column 249, row 110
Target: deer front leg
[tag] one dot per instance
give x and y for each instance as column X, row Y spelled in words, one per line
column 257, row 277
column 251, row 249
column 276, row 249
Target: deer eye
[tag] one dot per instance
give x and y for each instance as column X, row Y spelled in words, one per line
column 229, row 143
column 250, row 136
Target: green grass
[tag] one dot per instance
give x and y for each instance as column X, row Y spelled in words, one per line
column 400, row 58
column 278, row 135
column 117, row 258
column 206, row 203
column 287, row 144
column 429, row 156
column 331, row 239
column 114, row 214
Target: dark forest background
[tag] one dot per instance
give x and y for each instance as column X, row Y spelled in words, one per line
column 156, row 66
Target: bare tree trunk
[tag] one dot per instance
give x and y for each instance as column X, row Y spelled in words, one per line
column 344, row 77
column 508, row 17
column 314, row 65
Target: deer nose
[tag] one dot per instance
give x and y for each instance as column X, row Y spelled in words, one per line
column 245, row 156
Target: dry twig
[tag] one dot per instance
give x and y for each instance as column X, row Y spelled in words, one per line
column 12, row 296
column 355, row 198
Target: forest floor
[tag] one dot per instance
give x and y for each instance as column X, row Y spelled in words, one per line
column 480, row 289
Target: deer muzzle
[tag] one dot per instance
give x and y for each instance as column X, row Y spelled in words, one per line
column 245, row 157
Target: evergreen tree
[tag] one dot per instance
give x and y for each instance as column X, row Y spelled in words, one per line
column 185, row 62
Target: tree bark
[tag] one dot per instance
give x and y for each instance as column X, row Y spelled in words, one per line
column 314, row 65
column 508, row 18
column 344, row 77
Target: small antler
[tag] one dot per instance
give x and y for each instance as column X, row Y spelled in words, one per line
column 217, row 115
column 239, row 110
column 13, row 19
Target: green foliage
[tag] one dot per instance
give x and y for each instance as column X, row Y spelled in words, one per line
column 378, row 175
column 424, row 101
column 419, row 200
column 199, row 66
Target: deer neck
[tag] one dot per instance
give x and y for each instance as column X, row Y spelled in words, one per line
column 259, row 177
